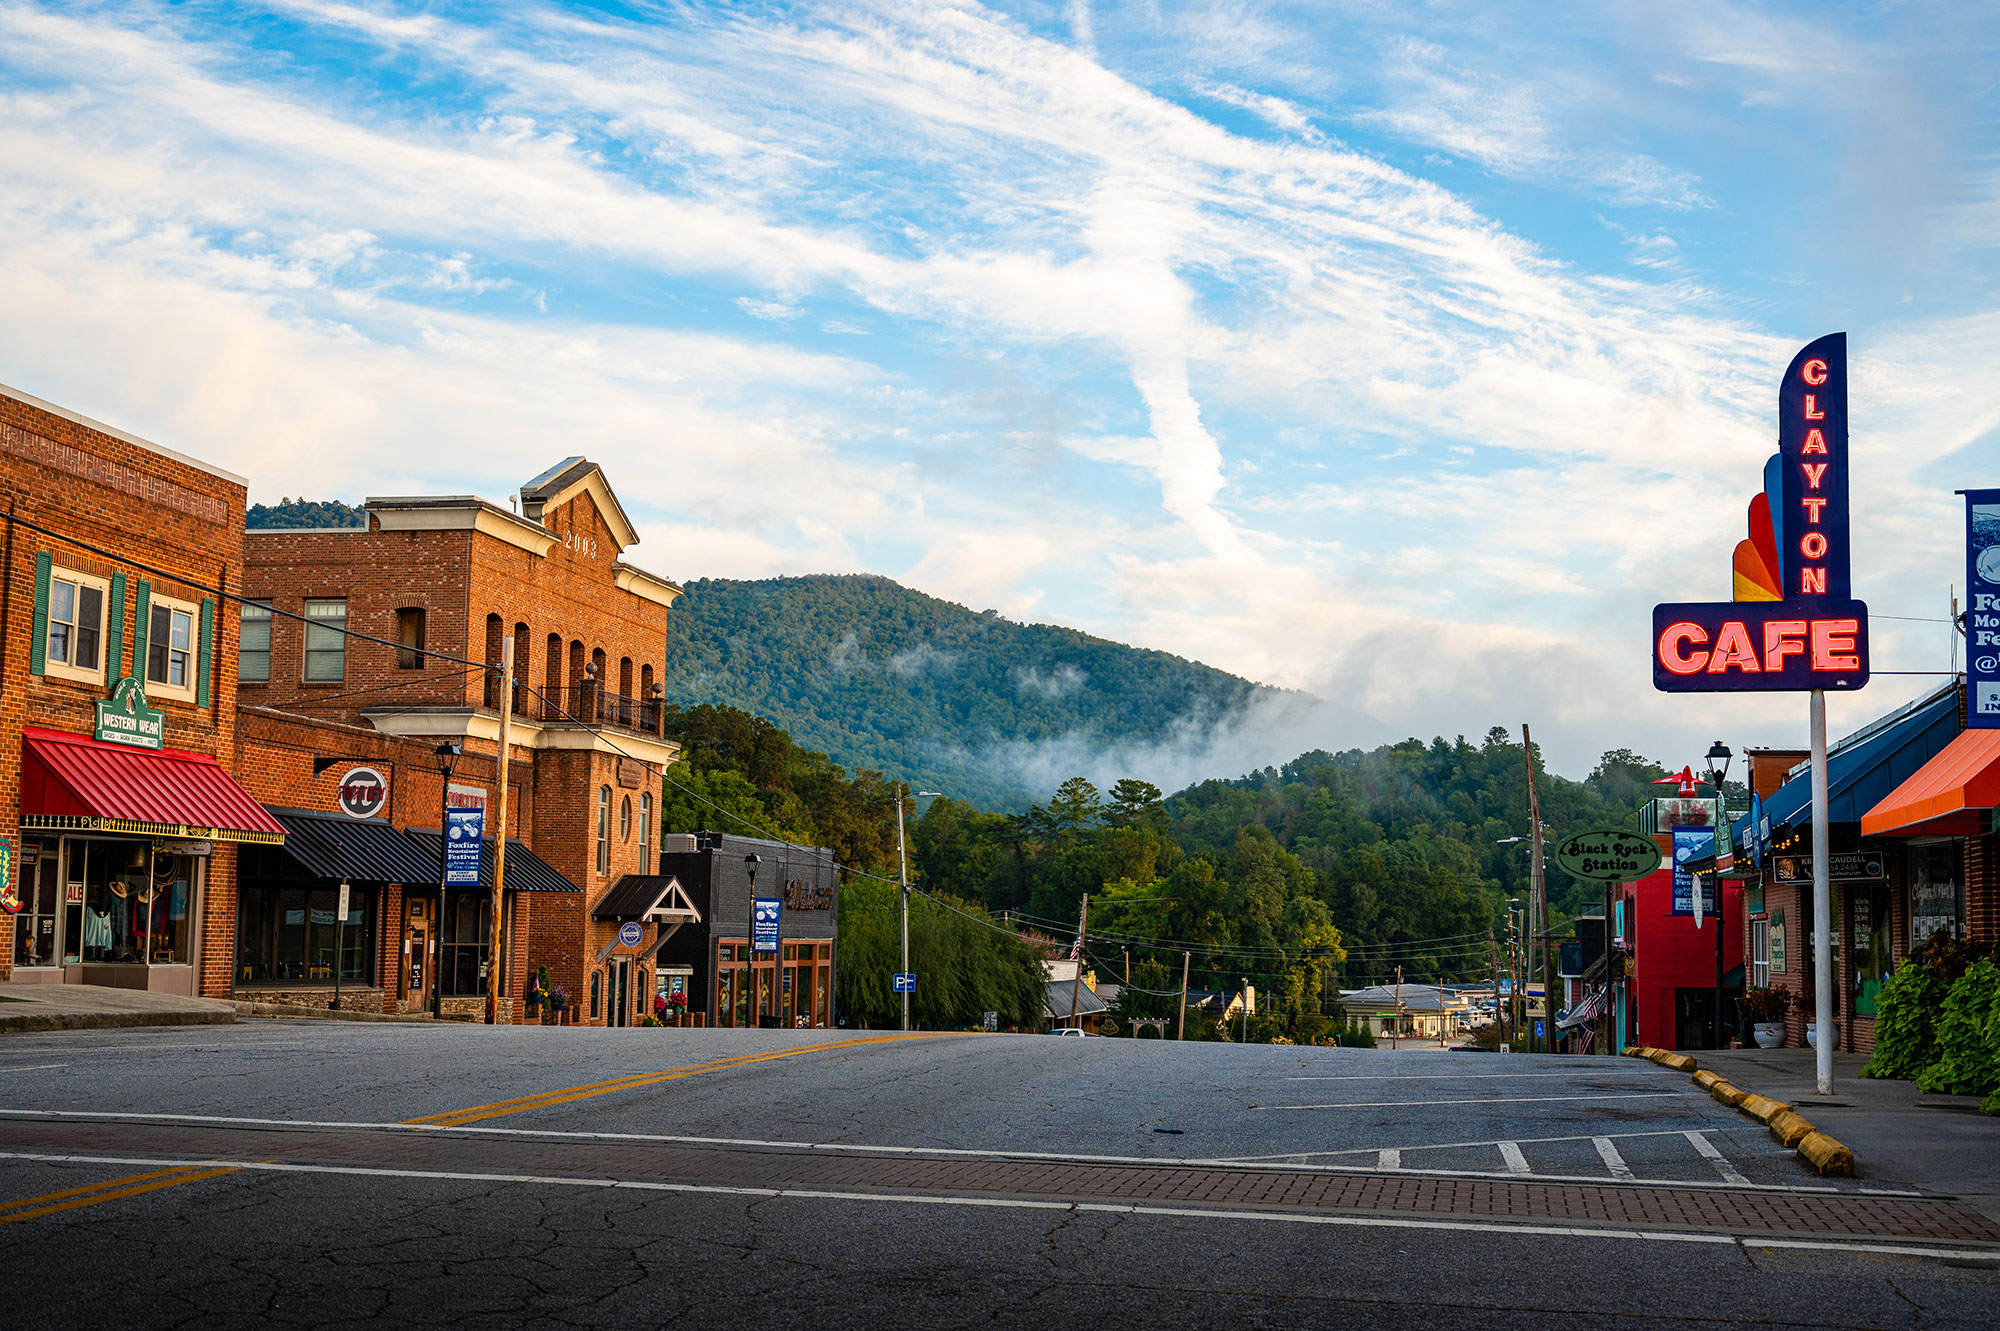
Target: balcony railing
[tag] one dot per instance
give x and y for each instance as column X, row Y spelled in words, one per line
column 591, row 704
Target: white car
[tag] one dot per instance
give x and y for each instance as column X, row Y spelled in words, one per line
column 1067, row 1030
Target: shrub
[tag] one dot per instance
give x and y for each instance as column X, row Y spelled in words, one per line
column 1906, row 1016
column 1770, row 1004
column 1967, row 1063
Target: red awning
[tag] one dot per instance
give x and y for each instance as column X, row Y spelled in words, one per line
column 70, row 783
column 1948, row 796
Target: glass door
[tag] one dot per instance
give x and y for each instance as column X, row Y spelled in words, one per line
column 35, row 928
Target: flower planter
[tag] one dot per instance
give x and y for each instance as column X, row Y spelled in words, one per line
column 1812, row 1035
column 1768, row 1034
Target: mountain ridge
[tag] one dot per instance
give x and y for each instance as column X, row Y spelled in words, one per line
column 883, row 676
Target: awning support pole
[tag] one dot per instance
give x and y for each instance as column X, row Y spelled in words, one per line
column 1822, row 905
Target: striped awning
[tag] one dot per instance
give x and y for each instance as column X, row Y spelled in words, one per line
column 72, row 783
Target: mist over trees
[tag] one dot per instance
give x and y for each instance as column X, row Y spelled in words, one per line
column 892, row 679
column 1323, row 874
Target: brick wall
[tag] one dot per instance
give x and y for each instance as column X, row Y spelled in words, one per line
column 146, row 507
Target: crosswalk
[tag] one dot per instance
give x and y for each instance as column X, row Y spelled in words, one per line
column 1684, row 1157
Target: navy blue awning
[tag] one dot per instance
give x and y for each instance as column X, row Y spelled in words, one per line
column 363, row 850
column 526, row 871
column 1863, row 768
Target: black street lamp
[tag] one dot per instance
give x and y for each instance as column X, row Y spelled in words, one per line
column 447, row 758
column 750, row 863
column 1718, row 771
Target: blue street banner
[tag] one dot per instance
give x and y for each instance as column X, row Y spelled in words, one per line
column 464, row 828
column 1692, row 843
column 1792, row 624
column 1982, row 609
column 764, row 914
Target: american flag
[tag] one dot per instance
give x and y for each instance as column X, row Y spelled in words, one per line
column 1076, row 948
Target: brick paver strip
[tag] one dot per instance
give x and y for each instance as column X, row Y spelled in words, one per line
column 1843, row 1214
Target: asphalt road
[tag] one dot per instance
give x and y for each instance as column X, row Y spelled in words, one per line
column 320, row 1173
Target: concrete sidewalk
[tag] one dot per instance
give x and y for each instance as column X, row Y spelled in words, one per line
column 82, row 1007
column 1941, row 1144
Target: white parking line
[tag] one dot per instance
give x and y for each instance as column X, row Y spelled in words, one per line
column 1389, row 1159
column 39, row 1067
column 1437, row 1076
column 1722, row 1167
column 1511, row 1153
column 1612, row 1160
column 1496, row 1100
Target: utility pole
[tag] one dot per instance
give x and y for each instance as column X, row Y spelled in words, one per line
column 1397, row 1029
column 1493, row 959
column 1604, row 1017
column 1128, row 964
column 1539, row 879
column 494, row 954
column 1186, row 958
column 903, row 877
column 1076, row 981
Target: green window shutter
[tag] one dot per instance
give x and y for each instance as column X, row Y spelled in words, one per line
column 114, row 634
column 142, row 614
column 202, row 647
column 38, row 650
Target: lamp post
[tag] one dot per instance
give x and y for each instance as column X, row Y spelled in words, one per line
column 447, row 758
column 1718, row 770
column 1515, row 998
column 903, row 879
column 1532, row 933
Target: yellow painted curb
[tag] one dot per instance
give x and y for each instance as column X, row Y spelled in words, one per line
column 1635, row 1051
column 1678, row 1062
column 1788, row 1127
column 1828, row 1156
column 1706, row 1079
column 1762, row 1107
column 1726, row 1093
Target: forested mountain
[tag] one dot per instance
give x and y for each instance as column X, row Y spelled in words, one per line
column 1327, row 873
column 293, row 513
column 880, row 676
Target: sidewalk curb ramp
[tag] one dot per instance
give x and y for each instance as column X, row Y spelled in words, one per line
column 1822, row 1152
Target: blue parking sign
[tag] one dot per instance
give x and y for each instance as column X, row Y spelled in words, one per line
column 905, row 982
column 764, row 923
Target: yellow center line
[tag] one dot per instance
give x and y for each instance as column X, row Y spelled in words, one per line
column 500, row 1109
column 30, row 1208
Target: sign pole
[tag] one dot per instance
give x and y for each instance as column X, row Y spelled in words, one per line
column 494, row 953
column 1822, row 905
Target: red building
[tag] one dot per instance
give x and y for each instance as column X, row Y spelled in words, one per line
column 1670, row 989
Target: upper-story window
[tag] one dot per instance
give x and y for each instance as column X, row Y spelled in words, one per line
column 253, row 652
column 170, row 647
column 76, row 625
column 410, row 638
column 646, row 864
column 326, row 640
column 624, row 820
column 604, row 829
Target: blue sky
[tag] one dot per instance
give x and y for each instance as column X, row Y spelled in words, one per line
column 1400, row 354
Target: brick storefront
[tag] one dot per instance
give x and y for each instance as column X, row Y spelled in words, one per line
column 459, row 577
column 118, row 557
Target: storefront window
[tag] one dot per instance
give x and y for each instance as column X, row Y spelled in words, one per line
column 291, row 934
column 465, row 938
column 1868, row 925
column 1937, row 894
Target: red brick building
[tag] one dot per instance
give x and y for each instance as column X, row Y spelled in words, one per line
column 364, row 650
column 119, row 819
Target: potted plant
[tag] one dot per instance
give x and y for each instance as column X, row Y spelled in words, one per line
column 558, row 1002
column 1767, row 1009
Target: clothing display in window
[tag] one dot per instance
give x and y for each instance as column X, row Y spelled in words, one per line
column 96, row 929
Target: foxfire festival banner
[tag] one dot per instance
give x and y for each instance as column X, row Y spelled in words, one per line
column 1792, row 623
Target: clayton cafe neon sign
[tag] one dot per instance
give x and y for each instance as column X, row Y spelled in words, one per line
column 1792, row 624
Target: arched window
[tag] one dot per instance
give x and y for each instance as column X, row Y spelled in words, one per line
column 596, row 994
column 625, row 820
column 519, row 699
column 604, row 829
column 646, row 864
column 494, row 634
column 552, row 680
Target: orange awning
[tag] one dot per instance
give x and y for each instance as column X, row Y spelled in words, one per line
column 1949, row 795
